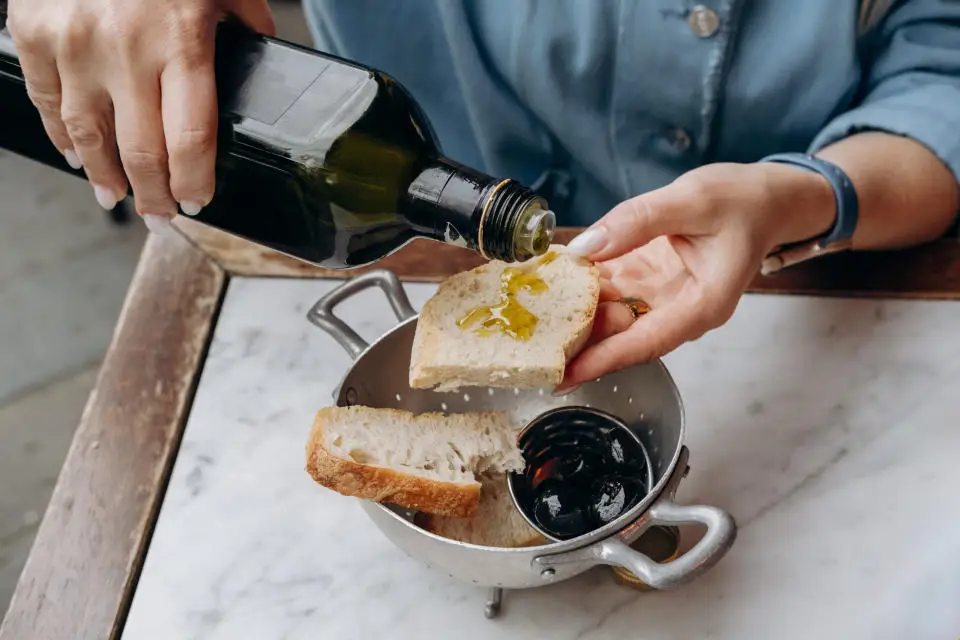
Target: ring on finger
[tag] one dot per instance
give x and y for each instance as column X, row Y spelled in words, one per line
column 636, row 306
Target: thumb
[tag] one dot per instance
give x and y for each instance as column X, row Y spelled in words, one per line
column 255, row 14
column 635, row 222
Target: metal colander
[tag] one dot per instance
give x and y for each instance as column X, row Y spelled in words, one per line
column 644, row 397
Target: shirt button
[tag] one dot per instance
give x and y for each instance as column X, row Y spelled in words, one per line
column 679, row 139
column 703, row 21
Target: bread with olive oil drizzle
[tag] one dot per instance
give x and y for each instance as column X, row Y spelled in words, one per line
column 452, row 348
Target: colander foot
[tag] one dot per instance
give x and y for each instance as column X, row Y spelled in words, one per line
column 494, row 600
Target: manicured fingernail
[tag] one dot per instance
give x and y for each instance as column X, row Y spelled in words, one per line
column 157, row 224
column 589, row 242
column 190, row 208
column 105, row 197
column 72, row 159
column 560, row 392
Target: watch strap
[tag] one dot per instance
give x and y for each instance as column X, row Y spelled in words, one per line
column 838, row 238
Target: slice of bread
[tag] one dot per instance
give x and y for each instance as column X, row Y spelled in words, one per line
column 428, row 462
column 446, row 356
column 496, row 522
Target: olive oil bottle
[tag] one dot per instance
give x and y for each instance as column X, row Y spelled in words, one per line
column 324, row 160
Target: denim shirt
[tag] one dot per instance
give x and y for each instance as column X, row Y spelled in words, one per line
column 595, row 101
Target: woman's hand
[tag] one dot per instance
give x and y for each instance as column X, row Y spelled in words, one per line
column 126, row 90
column 689, row 250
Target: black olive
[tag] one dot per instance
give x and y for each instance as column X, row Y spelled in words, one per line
column 562, row 510
column 616, row 450
column 572, row 465
column 613, row 495
column 624, row 450
column 582, row 467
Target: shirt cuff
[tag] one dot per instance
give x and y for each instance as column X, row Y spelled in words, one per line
column 927, row 114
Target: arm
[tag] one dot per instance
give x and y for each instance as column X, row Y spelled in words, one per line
column 691, row 248
column 901, row 144
column 907, row 195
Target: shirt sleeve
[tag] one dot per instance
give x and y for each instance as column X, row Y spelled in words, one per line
column 911, row 84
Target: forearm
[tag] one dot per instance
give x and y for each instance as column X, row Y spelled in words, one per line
column 907, row 195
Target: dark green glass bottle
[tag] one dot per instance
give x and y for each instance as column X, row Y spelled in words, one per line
column 324, row 160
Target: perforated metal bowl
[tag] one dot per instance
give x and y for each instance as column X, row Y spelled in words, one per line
column 644, row 397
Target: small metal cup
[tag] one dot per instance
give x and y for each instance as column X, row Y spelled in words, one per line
column 535, row 437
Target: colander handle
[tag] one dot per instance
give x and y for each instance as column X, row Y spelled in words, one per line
column 721, row 532
column 719, row 537
column 322, row 313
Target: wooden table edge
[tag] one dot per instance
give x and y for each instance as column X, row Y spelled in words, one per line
column 81, row 573
column 931, row 271
column 80, row 578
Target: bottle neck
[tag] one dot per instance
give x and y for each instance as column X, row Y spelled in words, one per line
column 499, row 218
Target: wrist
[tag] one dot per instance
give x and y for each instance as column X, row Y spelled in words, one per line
column 800, row 204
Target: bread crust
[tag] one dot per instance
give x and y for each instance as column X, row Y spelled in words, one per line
column 575, row 343
column 378, row 484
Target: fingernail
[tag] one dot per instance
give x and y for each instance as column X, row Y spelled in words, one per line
column 589, row 242
column 560, row 392
column 105, row 197
column 190, row 208
column 157, row 224
column 72, row 159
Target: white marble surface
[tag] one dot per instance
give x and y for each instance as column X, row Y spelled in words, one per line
column 829, row 428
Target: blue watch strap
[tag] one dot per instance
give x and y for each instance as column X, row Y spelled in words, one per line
column 848, row 205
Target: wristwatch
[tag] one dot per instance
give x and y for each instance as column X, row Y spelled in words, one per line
column 840, row 237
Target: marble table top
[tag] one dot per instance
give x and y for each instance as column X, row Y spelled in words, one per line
column 829, row 428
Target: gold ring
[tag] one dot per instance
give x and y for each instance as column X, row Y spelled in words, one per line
column 483, row 216
column 637, row 306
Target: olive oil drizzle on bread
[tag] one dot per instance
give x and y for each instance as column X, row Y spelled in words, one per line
column 509, row 316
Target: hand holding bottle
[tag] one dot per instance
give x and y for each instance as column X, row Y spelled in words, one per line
column 126, row 90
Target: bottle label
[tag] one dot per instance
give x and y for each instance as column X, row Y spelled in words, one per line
column 297, row 94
